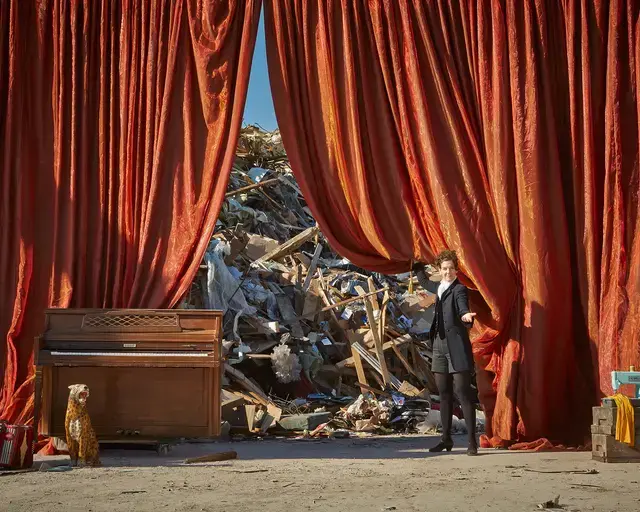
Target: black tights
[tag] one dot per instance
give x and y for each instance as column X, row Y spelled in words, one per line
column 462, row 383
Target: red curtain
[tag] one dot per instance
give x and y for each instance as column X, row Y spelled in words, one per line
column 118, row 126
column 507, row 130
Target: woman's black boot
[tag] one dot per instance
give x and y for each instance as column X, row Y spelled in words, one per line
column 442, row 445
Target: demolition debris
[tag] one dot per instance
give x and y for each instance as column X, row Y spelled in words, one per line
column 315, row 346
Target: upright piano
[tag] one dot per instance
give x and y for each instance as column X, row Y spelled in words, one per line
column 152, row 374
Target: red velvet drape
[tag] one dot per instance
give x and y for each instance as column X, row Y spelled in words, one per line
column 118, row 126
column 505, row 129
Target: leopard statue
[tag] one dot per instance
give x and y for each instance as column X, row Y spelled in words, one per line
column 81, row 438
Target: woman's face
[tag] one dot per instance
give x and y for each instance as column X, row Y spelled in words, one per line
column 448, row 271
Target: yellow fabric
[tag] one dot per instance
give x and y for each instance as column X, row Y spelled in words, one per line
column 625, row 421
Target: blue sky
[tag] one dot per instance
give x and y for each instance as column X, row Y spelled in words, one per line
column 259, row 106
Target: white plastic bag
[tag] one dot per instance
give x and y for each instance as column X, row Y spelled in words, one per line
column 223, row 290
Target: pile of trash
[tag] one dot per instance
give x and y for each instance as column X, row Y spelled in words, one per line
column 314, row 344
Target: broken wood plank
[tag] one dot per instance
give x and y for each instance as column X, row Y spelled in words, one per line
column 272, row 415
column 250, row 412
column 213, row 457
column 374, row 363
column 374, row 302
column 251, row 187
column 409, row 389
column 421, row 365
column 300, row 298
column 304, row 260
column 298, row 275
column 362, row 377
column 404, row 361
column 312, row 267
column 332, row 306
column 378, row 379
column 311, row 301
column 289, row 316
column 369, row 301
column 382, row 325
column 239, row 377
column 329, row 307
column 290, row 245
column 323, row 285
column 406, row 338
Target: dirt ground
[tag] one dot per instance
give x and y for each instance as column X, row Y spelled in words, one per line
column 374, row 474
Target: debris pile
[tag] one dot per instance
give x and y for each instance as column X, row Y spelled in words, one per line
column 314, row 345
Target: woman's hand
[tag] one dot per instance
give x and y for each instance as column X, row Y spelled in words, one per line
column 467, row 318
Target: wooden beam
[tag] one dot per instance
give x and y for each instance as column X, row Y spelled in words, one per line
column 383, row 316
column 362, row 377
column 290, row 245
column 376, row 338
column 389, row 344
column 251, row 187
column 404, row 361
column 378, row 379
column 372, row 287
column 329, row 306
column 375, row 364
column 332, row 306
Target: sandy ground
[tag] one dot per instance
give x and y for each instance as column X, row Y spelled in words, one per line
column 375, row 474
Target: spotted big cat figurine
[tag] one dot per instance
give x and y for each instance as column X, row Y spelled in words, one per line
column 81, row 438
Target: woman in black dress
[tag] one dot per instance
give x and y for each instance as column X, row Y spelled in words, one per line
column 452, row 362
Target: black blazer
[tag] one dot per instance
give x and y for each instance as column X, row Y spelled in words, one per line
column 455, row 304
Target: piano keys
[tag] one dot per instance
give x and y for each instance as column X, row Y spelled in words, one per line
column 153, row 374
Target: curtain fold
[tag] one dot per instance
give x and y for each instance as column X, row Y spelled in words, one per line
column 507, row 130
column 118, row 126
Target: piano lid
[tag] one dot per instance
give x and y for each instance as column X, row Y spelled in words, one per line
column 132, row 320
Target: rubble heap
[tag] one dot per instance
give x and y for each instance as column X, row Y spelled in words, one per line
column 315, row 346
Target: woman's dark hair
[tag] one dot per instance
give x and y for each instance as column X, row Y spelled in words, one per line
column 446, row 256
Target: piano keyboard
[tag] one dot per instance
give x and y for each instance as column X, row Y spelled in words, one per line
column 132, row 354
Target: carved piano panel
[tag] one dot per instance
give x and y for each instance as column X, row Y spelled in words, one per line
column 152, row 373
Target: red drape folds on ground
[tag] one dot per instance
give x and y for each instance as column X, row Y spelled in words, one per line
column 118, row 126
column 507, row 130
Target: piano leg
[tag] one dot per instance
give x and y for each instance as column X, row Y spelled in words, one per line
column 37, row 400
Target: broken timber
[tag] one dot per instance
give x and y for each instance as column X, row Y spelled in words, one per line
column 290, row 245
column 406, row 338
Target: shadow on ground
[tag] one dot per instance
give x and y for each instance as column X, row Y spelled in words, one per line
column 374, row 448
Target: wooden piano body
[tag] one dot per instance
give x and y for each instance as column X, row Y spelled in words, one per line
column 152, row 374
